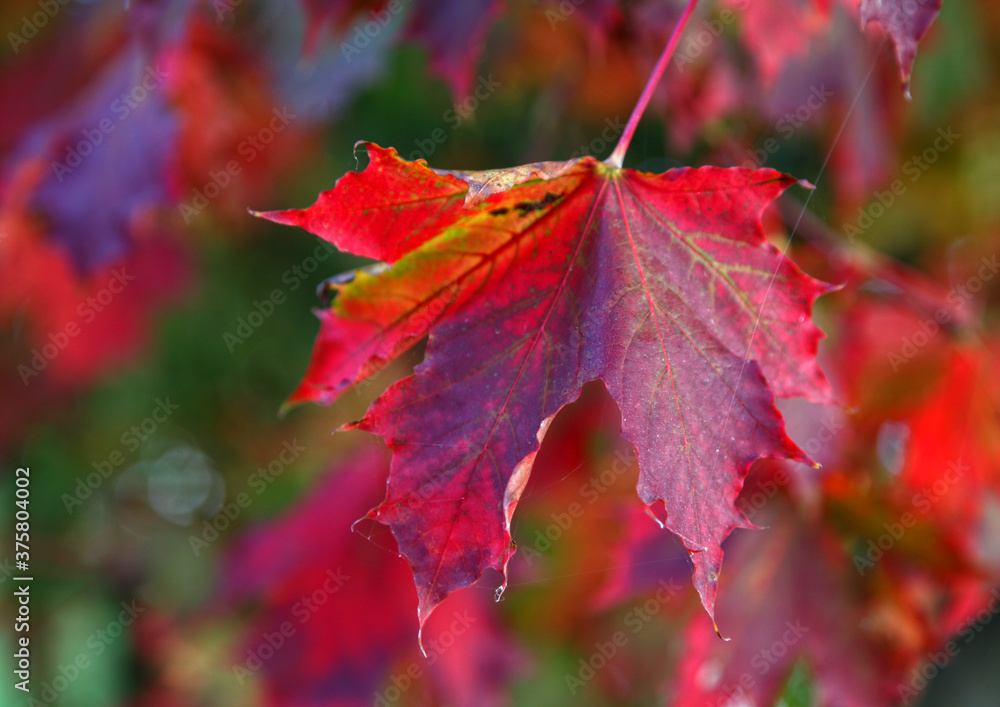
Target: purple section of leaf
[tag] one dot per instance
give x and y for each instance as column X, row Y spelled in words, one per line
column 108, row 159
column 452, row 31
column 906, row 21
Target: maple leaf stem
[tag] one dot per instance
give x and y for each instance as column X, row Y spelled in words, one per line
column 618, row 156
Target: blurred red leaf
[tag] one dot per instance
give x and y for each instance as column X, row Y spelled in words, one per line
column 789, row 599
column 337, row 609
column 777, row 31
column 366, row 595
column 78, row 326
column 107, row 158
column 951, row 468
column 453, row 32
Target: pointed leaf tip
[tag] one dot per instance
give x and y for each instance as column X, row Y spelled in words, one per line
column 290, row 217
column 719, row 633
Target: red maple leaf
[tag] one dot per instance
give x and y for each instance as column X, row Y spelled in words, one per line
column 661, row 286
column 531, row 282
column 951, row 468
column 787, row 601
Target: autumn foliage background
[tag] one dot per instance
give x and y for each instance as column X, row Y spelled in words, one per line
column 152, row 329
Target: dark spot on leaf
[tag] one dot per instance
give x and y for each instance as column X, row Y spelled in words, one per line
column 499, row 211
column 327, row 290
column 526, row 207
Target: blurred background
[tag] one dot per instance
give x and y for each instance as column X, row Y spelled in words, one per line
column 189, row 546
